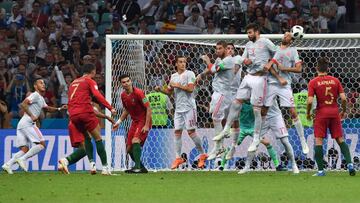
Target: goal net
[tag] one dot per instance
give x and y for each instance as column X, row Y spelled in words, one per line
column 150, row 60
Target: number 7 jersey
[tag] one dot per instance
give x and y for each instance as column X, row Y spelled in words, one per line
column 327, row 90
column 80, row 92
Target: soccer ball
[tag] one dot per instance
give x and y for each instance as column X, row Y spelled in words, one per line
column 297, row 32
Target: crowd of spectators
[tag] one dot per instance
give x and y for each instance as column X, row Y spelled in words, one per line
column 54, row 38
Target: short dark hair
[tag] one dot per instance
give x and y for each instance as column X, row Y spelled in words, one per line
column 36, row 79
column 36, row 2
column 75, row 39
column 222, row 43
column 323, row 64
column 87, row 68
column 231, row 44
column 253, row 26
column 123, row 76
column 178, row 57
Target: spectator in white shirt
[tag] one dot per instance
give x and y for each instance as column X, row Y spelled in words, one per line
column 195, row 19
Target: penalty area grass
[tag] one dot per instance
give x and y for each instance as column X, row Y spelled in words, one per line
column 185, row 186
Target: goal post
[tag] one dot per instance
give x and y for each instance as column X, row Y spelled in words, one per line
column 149, row 60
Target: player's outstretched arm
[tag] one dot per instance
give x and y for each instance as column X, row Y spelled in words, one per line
column 99, row 97
column 102, row 115
column 54, row 109
column 167, row 91
column 123, row 116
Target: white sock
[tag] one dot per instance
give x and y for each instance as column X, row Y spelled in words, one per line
column 288, row 148
column 197, row 141
column 178, row 145
column 33, row 151
column 16, row 156
column 234, row 113
column 299, row 127
column 217, row 128
column 257, row 122
column 250, row 156
column 234, row 135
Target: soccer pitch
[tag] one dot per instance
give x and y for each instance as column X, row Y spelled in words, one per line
column 179, row 187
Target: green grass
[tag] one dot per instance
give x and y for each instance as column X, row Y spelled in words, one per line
column 186, row 187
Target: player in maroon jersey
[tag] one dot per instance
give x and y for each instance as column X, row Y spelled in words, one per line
column 327, row 89
column 136, row 104
column 82, row 114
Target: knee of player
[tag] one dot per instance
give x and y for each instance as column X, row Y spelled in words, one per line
column 265, row 142
column 135, row 140
column 236, row 124
column 293, row 113
column 128, row 148
column 192, row 133
column 43, row 143
column 24, row 149
column 238, row 101
column 318, row 141
column 177, row 133
column 264, row 111
column 81, row 145
column 339, row 140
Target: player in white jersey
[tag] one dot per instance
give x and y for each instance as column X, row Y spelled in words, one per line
column 287, row 61
column 182, row 85
column 235, row 130
column 27, row 132
column 221, row 84
column 256, row 55
column 274, row 123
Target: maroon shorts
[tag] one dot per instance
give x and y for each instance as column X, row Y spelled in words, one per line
column 85, row 121
column 135, row 131
column 76, row 137
column 333, row 124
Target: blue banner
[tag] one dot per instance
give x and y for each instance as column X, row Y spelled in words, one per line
column 57, row 146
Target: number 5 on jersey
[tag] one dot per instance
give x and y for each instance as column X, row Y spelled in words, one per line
column 327, row 92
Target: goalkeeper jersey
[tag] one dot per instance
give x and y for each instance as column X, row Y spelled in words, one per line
column 247, row 116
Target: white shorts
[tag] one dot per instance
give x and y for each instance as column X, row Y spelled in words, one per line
column 253, row 88
column 185, row 120
column 285, row 94
column 275, row 126
column 27, row 135
column 219, row 106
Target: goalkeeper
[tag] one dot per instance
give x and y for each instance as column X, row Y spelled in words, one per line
column 247, row 129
